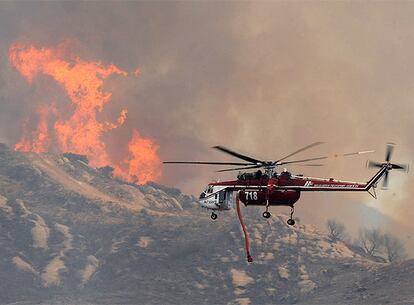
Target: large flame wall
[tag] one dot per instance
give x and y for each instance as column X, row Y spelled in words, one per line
column 80, row 132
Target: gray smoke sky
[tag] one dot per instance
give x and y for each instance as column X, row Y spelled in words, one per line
column 264, row 78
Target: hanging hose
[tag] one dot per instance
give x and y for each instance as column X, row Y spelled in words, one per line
column 246, row 235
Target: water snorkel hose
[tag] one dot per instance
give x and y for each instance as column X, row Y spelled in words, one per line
column 246, row 235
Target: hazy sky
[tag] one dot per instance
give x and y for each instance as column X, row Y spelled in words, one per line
column 264, row 78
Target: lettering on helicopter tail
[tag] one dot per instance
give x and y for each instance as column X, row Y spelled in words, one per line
column 340, row 185
column 308, row 183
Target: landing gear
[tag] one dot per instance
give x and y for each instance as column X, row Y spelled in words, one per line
column 291, row 221
column 266, row 214
column 213, row 216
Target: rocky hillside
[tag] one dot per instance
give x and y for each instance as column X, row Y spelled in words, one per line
column 70, row 234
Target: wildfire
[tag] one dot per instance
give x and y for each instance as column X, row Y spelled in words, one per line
column 143, row 159
column 39, row 140
column 81, row 132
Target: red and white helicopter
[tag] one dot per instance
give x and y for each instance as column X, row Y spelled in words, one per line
column 270, row 188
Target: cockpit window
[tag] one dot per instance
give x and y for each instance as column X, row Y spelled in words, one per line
column 202, row 195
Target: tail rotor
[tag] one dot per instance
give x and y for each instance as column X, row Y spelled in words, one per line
column 390, row 166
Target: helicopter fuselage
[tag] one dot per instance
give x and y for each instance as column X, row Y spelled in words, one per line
column 282, row 190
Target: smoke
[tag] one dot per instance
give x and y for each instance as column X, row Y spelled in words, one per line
column 263, row 78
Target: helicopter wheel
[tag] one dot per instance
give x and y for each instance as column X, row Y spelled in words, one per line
column 291, row 222
column 266, row 214
column 213, row 216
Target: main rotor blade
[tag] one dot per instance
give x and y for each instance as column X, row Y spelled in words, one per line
column 388, row 154
column 300, row 150
column 303, row 160
column 308, row 164
column 238, row 168
column 206, row 163
column 327, row 157
column 359, row 153
column 237, row 155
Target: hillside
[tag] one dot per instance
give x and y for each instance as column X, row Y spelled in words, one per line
column 70, row 234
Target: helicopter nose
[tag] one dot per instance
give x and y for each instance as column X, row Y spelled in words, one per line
column 207, row 203
column 202, row 200
column 203, row 203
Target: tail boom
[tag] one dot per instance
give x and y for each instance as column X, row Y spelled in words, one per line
column 319, row 185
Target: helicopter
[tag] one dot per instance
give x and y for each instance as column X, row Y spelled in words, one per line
column 271, row 188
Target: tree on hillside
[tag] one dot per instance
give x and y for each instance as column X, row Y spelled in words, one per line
column 336, row 230
column 371, row 240
column 393, row 248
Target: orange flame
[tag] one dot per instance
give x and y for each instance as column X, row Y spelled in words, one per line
column 81, row 132
column 40, row 139
column 142, row 160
